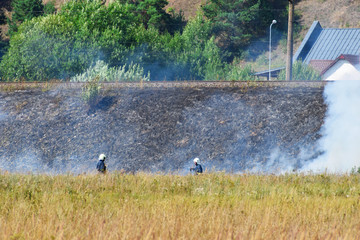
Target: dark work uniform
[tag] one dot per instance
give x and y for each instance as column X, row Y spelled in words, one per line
column 197, row 169
column 101, row 167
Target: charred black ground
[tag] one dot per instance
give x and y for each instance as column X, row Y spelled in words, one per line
column 161, row 129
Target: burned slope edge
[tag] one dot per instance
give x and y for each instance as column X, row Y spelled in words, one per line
column 160, row 129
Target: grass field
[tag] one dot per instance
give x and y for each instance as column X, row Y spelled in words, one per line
column 148, row 206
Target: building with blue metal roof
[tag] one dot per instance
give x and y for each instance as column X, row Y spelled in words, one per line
column 322, row 46
column 328, row 43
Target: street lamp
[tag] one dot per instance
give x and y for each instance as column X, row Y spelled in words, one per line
column 273, row 22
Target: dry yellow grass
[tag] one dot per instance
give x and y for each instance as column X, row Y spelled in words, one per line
column 212, row 206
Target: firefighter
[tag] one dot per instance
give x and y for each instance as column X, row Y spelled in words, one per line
column 101, row 167
column 197, row 169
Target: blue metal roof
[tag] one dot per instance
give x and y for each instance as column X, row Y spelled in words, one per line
column 308, row 41
column 325, row 44
column 332, row 42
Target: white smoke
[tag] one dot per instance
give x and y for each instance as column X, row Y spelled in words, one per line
column 341, row 130
column 27, row 161
column 279, row 162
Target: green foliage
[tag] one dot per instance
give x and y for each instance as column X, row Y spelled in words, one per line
column 151, row 13
column 237, row 22
column 91, row 90
column 200, row 53
column 4, row 45
column 231, row 21
column 273, row 9
column 24, row 10
column 301, row 72
column 44, row 49
column 238, row 73
column 355, row 170
column 102, row 72
column 83, row 32
column 64, row 45
column 2, row 17
column 49, row 8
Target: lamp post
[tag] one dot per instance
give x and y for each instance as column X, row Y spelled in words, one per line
column 273, row 22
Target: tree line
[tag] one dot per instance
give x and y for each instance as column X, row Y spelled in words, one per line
column 134, row 35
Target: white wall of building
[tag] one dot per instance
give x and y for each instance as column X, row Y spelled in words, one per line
column 342, row 70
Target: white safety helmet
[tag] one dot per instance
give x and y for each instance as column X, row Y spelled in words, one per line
column 102, row 157
column 196, row 160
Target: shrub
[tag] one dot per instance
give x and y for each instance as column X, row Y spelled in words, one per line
column 102, row 72
column 64, row 45
column 44, row 48
column 237, row 73
column 301, row 72
column 200, row 53
column 90, row 91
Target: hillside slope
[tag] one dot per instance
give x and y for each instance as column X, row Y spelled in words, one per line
column 330, row 13
column 161, row 129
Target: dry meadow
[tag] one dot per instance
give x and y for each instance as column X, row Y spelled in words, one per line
column 162, row 206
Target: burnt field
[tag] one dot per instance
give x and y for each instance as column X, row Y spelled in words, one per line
column 236, row 128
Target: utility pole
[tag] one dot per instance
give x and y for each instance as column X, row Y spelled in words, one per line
column 290, row 41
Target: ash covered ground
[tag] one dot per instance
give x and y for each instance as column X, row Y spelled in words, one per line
column 259, row 129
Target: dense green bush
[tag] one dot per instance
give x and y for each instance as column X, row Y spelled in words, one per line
column 66, row 45
column 44, row 49
column 83, row 32
column 102, row 72
column 63, row 45
column 237, row 73
column 301, row 72
column 91, row 91
column 200, row 52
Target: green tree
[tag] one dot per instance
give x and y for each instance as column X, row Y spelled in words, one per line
column 151, row 13
column 44, row 49
column 301, row 72
column 236, row 23
column 272, row 9
column 200, row 53
column 232, row 23
column 2, row 17
column 83, row 32
column 49, row 8
column 24, row 10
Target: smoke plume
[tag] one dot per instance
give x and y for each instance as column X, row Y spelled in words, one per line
column 341, row 130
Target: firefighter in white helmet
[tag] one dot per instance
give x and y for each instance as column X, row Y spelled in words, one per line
column 101, row 167
column 197, row 169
